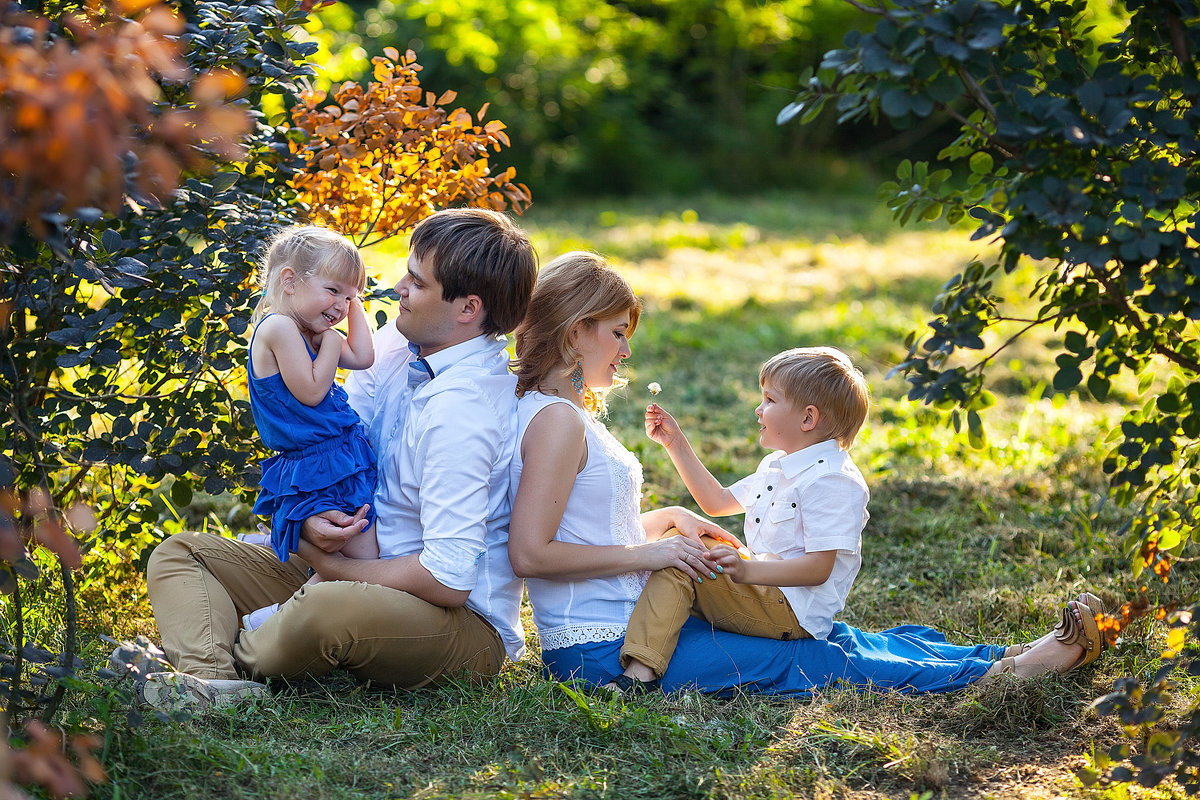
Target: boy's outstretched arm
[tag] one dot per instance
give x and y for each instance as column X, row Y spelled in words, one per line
column 713, row 498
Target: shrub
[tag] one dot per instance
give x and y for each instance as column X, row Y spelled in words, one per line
column 1082, row 158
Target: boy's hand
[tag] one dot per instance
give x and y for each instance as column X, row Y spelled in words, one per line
column 729, row 560
column 661, row 427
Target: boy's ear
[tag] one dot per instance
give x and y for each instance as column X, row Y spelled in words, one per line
column 812, row 418
column 470, row 309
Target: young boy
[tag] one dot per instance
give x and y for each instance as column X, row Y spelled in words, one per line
column 805, row 506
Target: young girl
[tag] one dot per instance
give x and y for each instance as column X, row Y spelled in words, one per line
column 311, row 281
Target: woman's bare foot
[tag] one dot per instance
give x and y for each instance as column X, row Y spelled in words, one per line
column 1048, row 654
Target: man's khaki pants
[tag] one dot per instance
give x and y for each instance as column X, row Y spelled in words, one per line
column 671, row 596
column 201, row 584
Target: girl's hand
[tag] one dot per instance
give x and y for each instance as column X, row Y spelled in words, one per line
column 661, row 427
column 676, row 551
column 728, row 561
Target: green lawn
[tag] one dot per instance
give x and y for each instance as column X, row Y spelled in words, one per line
column 981, row 544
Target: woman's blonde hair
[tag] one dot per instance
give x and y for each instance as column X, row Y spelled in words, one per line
column 573, row 288
column 309, row 250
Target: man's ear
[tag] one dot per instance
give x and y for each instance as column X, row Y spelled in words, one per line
column 470, row 309
column 812, row 418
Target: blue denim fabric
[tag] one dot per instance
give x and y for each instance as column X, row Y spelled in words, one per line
column 907, row 659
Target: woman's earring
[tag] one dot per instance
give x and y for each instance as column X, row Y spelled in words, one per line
column 577, row 377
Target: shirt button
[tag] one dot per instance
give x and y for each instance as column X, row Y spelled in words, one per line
column 793, row 505
column 770, row 488
column 820, row 461
column 756, row 519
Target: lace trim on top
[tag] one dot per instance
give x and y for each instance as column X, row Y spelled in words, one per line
column 625, row 471
column 558, row 638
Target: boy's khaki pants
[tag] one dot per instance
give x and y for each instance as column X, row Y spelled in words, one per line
column 671, row 596
column 201, row 584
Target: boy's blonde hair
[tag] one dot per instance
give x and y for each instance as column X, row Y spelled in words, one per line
column 823, row 377
column 575, row 287
column 309, row 250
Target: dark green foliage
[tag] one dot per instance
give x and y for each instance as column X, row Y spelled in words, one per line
column 620, row 98
column 117, row 362
column 1082, row 157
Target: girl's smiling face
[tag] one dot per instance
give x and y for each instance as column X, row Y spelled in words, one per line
column 602, row 346
column 317, row 303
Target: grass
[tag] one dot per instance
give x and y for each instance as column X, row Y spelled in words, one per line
column 981, row 544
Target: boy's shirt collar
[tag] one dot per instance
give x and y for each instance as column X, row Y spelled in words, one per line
column 792, row 464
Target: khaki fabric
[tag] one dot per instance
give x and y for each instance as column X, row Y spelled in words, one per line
column 201, row 584
column 671, row 596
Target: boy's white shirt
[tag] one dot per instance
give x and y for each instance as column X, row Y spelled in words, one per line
column 443, row 453
column 812, row 500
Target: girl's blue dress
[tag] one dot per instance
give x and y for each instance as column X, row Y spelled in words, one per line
column 323, row 460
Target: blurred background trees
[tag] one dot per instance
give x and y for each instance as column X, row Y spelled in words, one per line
column 617, row 98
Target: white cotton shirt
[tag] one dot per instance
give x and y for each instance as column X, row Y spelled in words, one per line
column 812, row 500
column 443, row 453
column 602, row 509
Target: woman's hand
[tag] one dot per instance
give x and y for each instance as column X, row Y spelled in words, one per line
column 661, row 427
column 680, row 552
column 693, row 526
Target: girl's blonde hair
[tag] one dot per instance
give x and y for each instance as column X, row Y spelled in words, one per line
column 309, row 250
column 575, row 287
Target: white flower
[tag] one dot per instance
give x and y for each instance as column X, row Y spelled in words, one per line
column 654, row 388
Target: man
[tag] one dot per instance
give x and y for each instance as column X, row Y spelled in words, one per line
column 440, row 409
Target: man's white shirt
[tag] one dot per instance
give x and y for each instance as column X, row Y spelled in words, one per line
column 443, row 451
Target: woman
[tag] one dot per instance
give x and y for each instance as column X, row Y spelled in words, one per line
column 578, row 539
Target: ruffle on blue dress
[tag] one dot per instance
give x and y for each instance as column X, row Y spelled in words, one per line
column 323, row 460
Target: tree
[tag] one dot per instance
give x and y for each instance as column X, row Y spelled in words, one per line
column 614, row 97
column 1083, row 157
column 139, row 181
column 376, row 161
